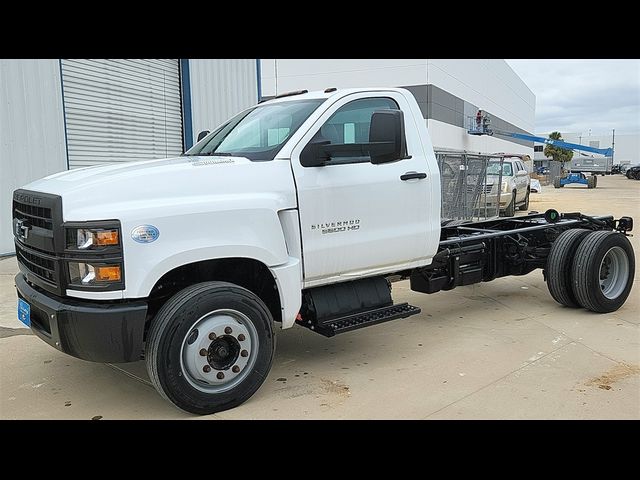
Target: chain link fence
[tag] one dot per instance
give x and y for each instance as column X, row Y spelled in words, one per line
column 471, row 185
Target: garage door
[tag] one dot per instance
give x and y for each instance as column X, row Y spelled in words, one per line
column 121, row 110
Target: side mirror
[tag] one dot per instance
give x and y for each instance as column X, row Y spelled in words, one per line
column 202, row 134
column 387, row 141
column 522, row 173
column 314, row 154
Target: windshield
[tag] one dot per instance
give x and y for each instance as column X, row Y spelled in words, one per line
column 259, row 133
column 494, row 169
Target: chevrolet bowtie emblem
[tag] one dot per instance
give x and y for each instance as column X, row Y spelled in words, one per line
column 22, row 229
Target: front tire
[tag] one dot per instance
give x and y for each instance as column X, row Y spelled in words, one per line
column 510, row 211
column 603, row 271
column 525, row 206
column 210, row 347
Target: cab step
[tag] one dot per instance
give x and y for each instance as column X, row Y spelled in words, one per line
column 363, row 319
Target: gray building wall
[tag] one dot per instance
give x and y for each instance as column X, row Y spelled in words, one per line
column 220, row 88
column 32, row 142
column 32, row 123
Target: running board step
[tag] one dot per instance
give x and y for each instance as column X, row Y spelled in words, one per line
column 364, row 319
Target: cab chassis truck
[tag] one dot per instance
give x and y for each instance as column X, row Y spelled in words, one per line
column 303, row 209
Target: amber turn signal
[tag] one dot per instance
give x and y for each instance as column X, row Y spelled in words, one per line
column 107, row 274
column 106, row 237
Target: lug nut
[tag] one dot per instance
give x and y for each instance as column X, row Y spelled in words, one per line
column 244, row 353
column 203, row 352
column 220, row 375
column 206, row 369
column 235, row 369
column 228, row 330
column 212, row 336
column 241, row 337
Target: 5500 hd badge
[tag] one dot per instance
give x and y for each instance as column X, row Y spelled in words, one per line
column 335, row 227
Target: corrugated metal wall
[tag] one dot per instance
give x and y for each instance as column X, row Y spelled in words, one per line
column 108, row 117
column 121, row 110
column 32, row 143
column 220, row 88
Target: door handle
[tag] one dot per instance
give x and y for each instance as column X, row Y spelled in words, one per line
column 413, row 175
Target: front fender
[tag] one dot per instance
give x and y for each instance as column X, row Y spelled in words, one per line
column 184, row 239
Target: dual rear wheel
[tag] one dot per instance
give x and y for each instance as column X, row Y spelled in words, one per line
column 593, row 270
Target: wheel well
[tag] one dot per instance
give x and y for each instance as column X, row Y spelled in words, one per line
column 245, row 272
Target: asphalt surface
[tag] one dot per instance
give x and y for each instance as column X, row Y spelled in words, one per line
column 503, row 349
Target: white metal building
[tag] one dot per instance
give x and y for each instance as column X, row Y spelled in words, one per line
column 59, row 114
column 448, row 91
column 71, row 113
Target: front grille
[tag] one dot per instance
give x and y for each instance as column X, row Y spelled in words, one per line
column 37, row 219
column 480, row 188
column 36, row 216
column 43, row 267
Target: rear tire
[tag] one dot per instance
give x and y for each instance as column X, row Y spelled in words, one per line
column 210, row 347
column 525, row 206
column 603, row 271
column 558, row 268
column 510, row 211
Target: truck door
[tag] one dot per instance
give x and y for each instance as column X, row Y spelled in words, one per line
column 358, row 218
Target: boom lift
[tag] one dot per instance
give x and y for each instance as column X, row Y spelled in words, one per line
column 483, row 128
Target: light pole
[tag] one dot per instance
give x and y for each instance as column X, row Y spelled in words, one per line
column 613, row 146
column 580, row 141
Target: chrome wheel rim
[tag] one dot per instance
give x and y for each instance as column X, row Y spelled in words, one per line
column 614, row 272
column 219, row 351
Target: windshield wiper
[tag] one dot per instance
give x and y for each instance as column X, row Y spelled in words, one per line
column 218, row 154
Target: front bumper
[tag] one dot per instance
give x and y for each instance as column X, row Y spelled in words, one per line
column 99, row 332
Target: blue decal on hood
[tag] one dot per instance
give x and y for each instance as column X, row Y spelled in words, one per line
column 145, row 233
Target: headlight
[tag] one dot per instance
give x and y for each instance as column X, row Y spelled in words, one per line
column 81, row 273
column 93, row 256
column 89, row 238
column 505, row 186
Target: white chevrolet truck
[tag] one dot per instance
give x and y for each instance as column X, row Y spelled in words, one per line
column 301, row 210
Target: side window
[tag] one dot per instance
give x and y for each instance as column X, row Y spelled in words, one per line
column 350, row 125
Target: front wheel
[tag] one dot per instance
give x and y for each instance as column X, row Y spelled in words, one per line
column 510, row 211
column 525, row 206
column 210, row 347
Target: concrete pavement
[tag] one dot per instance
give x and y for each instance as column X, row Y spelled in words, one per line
column 503, row 349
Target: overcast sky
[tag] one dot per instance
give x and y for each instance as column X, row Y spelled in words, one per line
column 578, row 95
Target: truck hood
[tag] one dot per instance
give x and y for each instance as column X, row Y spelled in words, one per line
column 118, row 190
